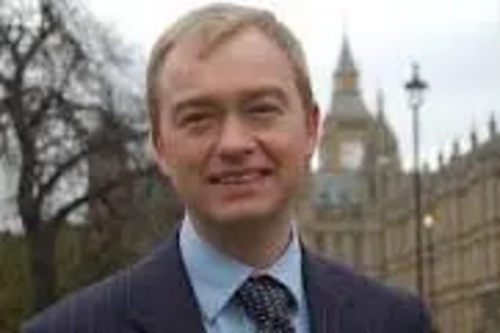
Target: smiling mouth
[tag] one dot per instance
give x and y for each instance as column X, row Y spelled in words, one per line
column 238, row 177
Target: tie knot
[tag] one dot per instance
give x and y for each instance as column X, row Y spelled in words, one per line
column 268, row 302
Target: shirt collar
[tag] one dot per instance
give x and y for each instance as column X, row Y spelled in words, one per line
column 288, row 269
column 215, row 276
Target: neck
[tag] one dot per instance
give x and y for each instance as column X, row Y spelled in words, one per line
column 256, row 244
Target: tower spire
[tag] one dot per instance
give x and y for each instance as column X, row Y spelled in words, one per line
column 346, row 75
column 380, row 104
column 346, row 60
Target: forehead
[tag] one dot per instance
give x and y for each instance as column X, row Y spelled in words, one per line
column 238, row 57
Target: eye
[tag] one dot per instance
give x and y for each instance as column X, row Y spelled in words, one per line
column 265, row 109
column 193, row 118
column 196, row 120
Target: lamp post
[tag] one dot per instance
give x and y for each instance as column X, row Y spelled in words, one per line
column 416, row 88
column 429, row 221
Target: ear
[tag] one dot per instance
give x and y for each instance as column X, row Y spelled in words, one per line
column 157, row 149
column 313, row 119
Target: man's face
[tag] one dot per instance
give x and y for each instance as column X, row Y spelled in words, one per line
column 233, row 134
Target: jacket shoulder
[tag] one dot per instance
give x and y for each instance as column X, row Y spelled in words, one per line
column 100, row 307
column 379, row 305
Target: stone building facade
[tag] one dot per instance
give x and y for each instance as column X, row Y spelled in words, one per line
column 359, row 208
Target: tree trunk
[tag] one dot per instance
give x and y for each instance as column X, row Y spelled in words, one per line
column 41, row 254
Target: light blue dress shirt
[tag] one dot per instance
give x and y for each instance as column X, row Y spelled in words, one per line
column 215, row 278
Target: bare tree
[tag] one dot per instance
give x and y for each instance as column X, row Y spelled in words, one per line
column 59, row 73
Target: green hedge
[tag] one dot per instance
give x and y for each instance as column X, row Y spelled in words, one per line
column 14, row 283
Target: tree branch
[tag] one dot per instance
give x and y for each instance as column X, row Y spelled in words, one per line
column 62, row 214
column 48, row 26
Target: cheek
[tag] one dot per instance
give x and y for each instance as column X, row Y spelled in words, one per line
column 186, row 159
column 289, row 152
column 293, row 142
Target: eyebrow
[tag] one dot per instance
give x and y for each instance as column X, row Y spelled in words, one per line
column 265, row 92
column 195, row 102
column 206, row 101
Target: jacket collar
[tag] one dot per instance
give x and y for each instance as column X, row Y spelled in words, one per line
column 161, row 297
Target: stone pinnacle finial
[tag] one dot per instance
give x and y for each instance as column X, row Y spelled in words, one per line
column 492, row 125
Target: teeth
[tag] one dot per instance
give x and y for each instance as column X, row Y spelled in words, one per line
column 236, row 179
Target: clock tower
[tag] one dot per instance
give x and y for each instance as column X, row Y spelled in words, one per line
column 357, row 150
column 348, row 124
column 355, row 143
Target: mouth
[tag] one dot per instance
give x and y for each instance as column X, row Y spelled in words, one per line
column 238, row 177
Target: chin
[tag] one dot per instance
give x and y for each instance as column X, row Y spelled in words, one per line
column 239, row 219
column 222, row 213
column 245, row 218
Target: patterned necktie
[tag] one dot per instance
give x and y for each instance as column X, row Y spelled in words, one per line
column 268, row 303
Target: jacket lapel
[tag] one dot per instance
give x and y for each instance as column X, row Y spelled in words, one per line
column 328, row 296
column 161, row 297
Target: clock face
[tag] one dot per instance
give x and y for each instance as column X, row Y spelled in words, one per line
column 351, row 154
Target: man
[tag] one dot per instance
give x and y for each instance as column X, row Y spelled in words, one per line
column 234, row 125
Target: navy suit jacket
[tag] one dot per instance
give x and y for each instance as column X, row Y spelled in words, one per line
column 155, row 296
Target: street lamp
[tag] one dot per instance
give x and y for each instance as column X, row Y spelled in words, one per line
column 429, row 221
column 416, row 88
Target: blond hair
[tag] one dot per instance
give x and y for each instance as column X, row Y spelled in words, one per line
column 213, row 24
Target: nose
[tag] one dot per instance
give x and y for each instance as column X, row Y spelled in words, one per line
column 236, row 141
